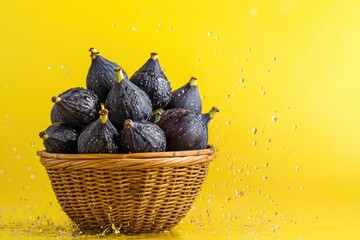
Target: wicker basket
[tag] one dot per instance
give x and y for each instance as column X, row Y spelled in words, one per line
column 127, row 193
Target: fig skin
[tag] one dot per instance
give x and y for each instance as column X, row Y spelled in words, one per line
column 127, row 101
column 101, row 76
column 186, row 97
column 99, row 136
column 60, row 138
column 142, row 137
column 53, row 115
column 76, row 107
column 151, row 78
column 185, row 129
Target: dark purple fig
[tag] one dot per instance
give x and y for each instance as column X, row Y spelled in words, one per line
column 60, row 138
column 101, row 76
column 53, row 115
column 127, row 101
column 186, row 97
column 99, row 136
column 76, row 107
column 151, row 78
column 185, row 129
column 142, row 137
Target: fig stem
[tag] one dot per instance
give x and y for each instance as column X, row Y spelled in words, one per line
column 193, row 82
column 55, row 99
column 157, row 116
column 103, row 115
column 154, row 56
column 94, row 53
column 213, row 111
column 128, row 123
column 119, row 74
column 44, row 135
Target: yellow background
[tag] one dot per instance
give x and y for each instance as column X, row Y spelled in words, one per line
column 290, row 69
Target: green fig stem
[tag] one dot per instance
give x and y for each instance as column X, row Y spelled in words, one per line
column 55, row 99
column 154, row 56
column 213, row 111
column 157, row 116
column 119, row 74
column 128, row 123
column 43, row 135
column 103, row 115
column 94, row 53
column 193, row 82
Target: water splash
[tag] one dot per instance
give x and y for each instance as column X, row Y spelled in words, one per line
column 254, row 130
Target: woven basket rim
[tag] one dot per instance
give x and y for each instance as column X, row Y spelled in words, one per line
column 128, row 161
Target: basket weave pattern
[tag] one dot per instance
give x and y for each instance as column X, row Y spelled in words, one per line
column 128, row 193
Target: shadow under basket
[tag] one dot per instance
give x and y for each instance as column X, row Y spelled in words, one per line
column 127, row 193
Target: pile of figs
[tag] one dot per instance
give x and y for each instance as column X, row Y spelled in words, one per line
column 118, row 114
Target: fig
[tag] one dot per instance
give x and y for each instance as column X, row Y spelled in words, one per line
column 185, row 129
column 127, row 101
column 186, row 97
column 76, row 107
column 60, row 138
column 53, row 115
column 99, row 136
column 151, row 78
column 101, row 76
column 142, row 136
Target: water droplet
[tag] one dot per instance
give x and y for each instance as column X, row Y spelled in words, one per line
column 265, row 177
column 256, row 167
column 242, row 80
column 62, row 66
column 133, row 28
column 249, row 49
column 228, row 122
column 159, row 24
column 274, row 58
column 297, row 168
column 113, row 24
column 295, row 126
column 50, row 67
column 170, row 28
column 66, row 71
column 209, row 33
column 254, row 130
column 301, row 187
column 228, row 96
column 216, row 37
column 255, row 143
column 274, row 119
